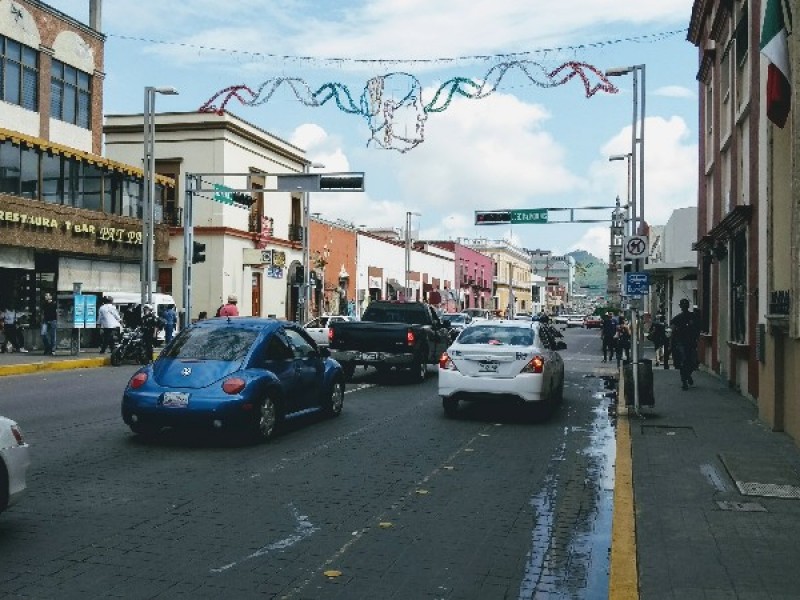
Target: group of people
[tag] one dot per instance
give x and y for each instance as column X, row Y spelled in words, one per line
column 111, row 322
column 680, row 344
column 11, row 326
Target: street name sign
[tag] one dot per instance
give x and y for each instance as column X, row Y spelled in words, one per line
column 529, row 215
column 637, row 284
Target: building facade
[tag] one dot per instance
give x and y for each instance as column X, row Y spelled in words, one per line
column 67, row 215
column 730, row 190
column 253, row 234
column 512, row 289
column 472, row 276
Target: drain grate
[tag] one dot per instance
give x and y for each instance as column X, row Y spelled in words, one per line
column 769, row 490
column 740, row 506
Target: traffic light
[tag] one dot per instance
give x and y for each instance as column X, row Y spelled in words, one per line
column 350, row 182
column 492, row 217
column 198, row 252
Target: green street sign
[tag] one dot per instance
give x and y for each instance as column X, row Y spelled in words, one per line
column 529, row 215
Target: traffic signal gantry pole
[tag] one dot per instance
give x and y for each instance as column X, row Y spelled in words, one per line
column 197, row 183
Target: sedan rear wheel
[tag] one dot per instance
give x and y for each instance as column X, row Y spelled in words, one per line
column 266, row 420
column 450, row 406
column 335, row 402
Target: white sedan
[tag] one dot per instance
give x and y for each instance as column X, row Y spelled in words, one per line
column 491, row 360
column 318, row 328
column 14, row 461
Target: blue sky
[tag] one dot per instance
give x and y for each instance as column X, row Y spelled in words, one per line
column 520, row 147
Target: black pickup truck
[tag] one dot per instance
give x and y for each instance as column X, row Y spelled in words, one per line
column 404, row 335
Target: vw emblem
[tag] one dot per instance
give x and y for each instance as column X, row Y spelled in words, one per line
column 186, row 371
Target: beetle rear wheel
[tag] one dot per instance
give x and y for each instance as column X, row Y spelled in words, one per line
column 335, row 402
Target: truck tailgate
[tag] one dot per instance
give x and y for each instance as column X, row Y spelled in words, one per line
column 367, row 336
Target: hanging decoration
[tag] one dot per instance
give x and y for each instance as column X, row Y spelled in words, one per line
column 398, row 122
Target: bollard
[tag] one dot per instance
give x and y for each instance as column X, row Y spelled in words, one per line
column 645, row 379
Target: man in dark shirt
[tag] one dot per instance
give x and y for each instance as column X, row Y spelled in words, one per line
column 685, row 333
column 607, row 331
column 49, row 324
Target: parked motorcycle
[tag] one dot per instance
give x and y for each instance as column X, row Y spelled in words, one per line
column 130, row 347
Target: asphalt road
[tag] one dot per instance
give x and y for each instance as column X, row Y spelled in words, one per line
column 390, row 500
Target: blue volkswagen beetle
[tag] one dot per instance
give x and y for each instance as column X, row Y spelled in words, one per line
column 234, row 374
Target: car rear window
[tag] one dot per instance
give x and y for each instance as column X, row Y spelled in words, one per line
column 223, row 343
column 510, row 336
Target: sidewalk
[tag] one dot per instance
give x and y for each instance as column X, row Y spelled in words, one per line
column 716, row 496
column 19, row 363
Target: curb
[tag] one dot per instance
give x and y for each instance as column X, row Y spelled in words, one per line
column 58, row 365
column 624, row 578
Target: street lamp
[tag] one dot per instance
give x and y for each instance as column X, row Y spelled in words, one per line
column 637, row 136
column 627, row 158
column 149, row 188
column 306, row 289
column 408, row 249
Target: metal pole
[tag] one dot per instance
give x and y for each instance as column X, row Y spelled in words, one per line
column 306, row 304
column 188, row 250
column 633, row 155
column 145, row 193
column 641, row 153
column 151, row 192
column 408, row 254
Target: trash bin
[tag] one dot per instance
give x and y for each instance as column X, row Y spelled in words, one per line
column 645, row 381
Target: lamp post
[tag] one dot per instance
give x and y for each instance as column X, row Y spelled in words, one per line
column 408, row 250
column 637, row 217
column 303, row 314
column 627, row 158
column 149, row 189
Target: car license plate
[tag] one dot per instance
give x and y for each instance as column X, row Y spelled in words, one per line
column 175, row 399
column 488, row 367
column 370, row 356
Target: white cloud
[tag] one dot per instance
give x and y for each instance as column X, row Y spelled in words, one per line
column 595, row 241
column 674, row 91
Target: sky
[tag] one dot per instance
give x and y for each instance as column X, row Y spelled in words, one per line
column 518, row 145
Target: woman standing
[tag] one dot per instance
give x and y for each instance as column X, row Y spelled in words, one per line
column 622, row 340
column 658, row 335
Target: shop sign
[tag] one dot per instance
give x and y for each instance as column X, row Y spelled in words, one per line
column 105, row 234
column 275, row 272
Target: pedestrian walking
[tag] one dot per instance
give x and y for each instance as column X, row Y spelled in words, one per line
column 151, row 323
column 109, row 319
column 607, row 331
column 685, row 334
column 170, row 318
column 622, row 340
column 230, row 309
column 658, row 335
column 49, row 324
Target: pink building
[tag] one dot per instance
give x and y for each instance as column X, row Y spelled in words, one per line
column 473, row 277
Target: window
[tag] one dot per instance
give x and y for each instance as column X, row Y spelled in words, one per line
column 9, row 168
column 738, row 287
column 302, row 347
column 70, row 95
column 19, row 74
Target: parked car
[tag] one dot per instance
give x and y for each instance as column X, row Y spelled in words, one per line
column 318, row 328
column 492, row 360
column 14, row 462
column 241, row 375
column 574, row 320
column 561, row 319
column 391, row 334
column 593, row 322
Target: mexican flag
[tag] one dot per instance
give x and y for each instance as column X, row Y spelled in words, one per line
column 775, row 47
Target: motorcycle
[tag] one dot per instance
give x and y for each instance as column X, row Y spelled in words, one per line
column 130, row 347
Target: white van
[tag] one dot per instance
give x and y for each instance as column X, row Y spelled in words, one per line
column 124, row 301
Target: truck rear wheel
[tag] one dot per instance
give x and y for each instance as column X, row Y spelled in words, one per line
column 420, row 371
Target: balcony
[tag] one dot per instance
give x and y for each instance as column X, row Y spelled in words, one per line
column 295, row 233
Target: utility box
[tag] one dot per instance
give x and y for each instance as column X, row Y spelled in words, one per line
column 645, row 381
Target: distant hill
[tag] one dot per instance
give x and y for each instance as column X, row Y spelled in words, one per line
column 590, row 273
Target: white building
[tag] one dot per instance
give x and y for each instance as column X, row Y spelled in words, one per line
column 266, row 283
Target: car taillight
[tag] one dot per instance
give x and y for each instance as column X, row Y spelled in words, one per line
column 234, row 385
column 535, row 365
column 330, row 336
column 138, row 380
column 410, row 338
column 17, row 433
column 446, row 363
